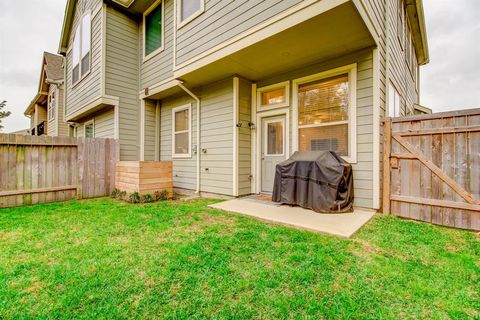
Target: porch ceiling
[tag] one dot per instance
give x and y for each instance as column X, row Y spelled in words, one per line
column 334, row 33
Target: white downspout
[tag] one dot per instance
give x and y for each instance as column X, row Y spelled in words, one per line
column 197, row 99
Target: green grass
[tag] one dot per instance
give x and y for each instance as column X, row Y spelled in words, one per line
column 108, row 259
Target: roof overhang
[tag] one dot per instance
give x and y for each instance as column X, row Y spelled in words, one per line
column 39, row 98
column 93, row 106
column 67, row 19
column 416, row 16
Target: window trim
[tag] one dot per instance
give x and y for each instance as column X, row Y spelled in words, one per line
column 145, row 14
column 175, row 110
column 400, row 98
column 266, row 122
column 286, row 103
column 196, row 14
column 79, row 25
column 351, row 70
column 85, row 124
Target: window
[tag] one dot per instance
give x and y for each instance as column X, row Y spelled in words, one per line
column 275, row 137
column 273, row 96
column 153, row 30
column 400, row 22
column 52, row 106
column 181, row 142
column 81, row 49
column 189, row 10
column 89, row 129
column 325, row 112
column 394, row 102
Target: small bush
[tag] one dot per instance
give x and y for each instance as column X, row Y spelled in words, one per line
column 148, row 198
column 135, row 197
column 121, row 195
column 161, row 195
column 114, row 194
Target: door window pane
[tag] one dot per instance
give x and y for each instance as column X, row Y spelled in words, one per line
column 325, row 138
column 324, row 101
column 153, row 30
column 275, row 138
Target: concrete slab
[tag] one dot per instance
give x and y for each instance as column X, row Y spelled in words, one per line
column 343, row 225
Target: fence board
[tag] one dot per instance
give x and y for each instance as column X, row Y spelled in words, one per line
column 47, row 169
column 435, row 168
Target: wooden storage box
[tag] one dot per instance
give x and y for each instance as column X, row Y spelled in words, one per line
column 145, row 177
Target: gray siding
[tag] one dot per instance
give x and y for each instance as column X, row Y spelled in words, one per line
column 362, row 170
column 244, row 138
column 160, row 66
column 150, row 129
column 57, row 126
column 121, row 78
column 216, row 137
column 223, row 20
column 103, row 125
column 52, row 123
column 88, row 88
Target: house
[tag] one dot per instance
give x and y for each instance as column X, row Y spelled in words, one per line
column 227, row 89
column 46, row 109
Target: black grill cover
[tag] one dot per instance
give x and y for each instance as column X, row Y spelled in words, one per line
column 317, row 180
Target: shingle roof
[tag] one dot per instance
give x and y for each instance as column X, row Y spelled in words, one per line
column 53, row 66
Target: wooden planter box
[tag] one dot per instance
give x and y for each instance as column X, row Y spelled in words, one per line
column 145, row 177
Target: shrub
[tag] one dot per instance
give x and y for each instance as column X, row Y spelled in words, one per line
column 121, row 195
column 161, row 195
column 114, row 194
column 134, row 197
column 148, row 198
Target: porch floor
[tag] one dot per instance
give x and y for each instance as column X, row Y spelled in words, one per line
column 343, row 225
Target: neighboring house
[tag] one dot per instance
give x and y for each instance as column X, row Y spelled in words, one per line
column 46, row 109
column 24, row 132
column 227, row 89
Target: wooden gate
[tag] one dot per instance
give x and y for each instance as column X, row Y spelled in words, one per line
column 432, row 168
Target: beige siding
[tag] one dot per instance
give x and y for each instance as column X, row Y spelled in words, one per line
column 160, row 66
column 363, row 169
column 150, row 129
column 244, row 138
column 103, row 124
column 216, row 138
column 52, row 129
column 57, row 126
column 223, row 20
column 121, row 78
column 89, row 87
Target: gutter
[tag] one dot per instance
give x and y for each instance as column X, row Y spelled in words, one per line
column 197, row 99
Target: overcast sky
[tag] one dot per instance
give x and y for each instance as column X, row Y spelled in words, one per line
column 450, row 81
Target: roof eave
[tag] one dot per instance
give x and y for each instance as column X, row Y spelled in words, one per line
column 63, row 46
column 417, row 16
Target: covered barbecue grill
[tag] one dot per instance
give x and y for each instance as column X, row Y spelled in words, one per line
column 317, row 180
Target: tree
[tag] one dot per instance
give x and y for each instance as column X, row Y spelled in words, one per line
column 3, row 114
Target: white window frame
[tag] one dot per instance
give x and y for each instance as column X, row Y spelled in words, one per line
column 265, row 136
column 180, row 23
column 351, row 70
column 396, row 94
column 286, row 103
column 80, row 35
column 174, row 111
column 51, row 113
column 145, row 14
column 85, row 124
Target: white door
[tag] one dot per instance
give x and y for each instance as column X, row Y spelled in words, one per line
column 273, row 149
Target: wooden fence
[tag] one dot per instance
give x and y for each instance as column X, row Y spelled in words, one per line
column 432, row 168
column 49, row 169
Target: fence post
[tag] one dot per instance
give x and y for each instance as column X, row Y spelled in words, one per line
column 387, row 148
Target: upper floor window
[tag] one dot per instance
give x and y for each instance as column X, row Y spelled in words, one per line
column 52, row 106
column 153, row 29
column 81, row 49
column 189, row 10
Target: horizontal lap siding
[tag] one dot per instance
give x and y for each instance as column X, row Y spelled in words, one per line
column 216, row 137
column 223, row 20
column 159, row 67
column 363, row 169
column 63, row 128
column 52, row 123
column 104, row 125
column 122, row 77
column 90, row 87
column 150, row 129
column 244, row 138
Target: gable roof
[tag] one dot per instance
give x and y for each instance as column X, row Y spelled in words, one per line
column 51, row 71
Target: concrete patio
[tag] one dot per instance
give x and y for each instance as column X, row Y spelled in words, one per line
column 343, row 225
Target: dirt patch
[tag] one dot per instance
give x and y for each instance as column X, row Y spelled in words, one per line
column 34, row 287
column 204, row 220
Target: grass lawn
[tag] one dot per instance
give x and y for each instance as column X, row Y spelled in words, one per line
column 108, row 259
